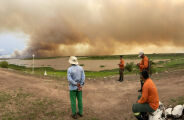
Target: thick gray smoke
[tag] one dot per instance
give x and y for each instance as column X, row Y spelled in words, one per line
column 93, row 27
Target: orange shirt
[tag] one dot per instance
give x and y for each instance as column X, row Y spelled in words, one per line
column 144, row 63
column 122, row 64
column 149, row 94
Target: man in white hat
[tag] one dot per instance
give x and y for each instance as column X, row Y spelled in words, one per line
column 143, row 65
column 76, row 78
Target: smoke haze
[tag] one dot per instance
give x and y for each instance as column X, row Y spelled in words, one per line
column 95, row 27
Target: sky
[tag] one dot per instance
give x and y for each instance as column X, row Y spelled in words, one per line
column 49, row 28
column 11, row 41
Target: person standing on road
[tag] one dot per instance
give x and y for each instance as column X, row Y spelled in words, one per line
column 76, row 78
column 148, row 101
column 143, row 65
column 121, row 69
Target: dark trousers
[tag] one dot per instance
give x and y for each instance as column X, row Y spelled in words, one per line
column 142, row 83
column 140, row 110
column 121, row 75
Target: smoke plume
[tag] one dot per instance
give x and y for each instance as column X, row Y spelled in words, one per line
column 94, row 27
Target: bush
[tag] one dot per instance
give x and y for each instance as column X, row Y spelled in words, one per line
column 102, row 66
column 4, row 64
column 81, row 64
column 129, row 67
column 152, row 69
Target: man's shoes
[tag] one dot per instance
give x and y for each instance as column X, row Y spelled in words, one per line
column 79, row 114
column 74, row 116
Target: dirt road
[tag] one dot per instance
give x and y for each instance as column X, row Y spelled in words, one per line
column 104, row 98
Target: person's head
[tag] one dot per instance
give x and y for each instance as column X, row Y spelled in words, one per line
column 73, row 60
column 141, row 54
column 121, row 56
column 144, row 75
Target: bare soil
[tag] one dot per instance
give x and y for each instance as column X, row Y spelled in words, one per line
column 103, row 98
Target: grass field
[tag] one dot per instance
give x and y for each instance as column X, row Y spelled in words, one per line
column 160, row 66
column 27, row 106
column 177, row 101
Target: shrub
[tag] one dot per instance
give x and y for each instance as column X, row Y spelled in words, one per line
column 4, row 64
column 129, row 67
column 81, row 64
column 102, row 66
column 152, row 69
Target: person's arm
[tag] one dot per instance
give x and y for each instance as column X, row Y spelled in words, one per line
column 70, row 78
column 144, row 96
column 83, row 78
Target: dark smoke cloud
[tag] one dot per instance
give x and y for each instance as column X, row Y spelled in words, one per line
column 93, row 27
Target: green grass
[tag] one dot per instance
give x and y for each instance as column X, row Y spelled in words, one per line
column 40, row 70
column 177, row 101
column 177, row 63
column 105, row 73
column 102, row 66
column 4, row 97
column 20, row 105
column 63, row 73
column 170, row 65
column 82, row 65
column 4, row 64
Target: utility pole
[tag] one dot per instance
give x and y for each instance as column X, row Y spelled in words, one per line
column 33, row 64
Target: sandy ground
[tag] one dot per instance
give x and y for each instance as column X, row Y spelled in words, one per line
column 62, row 63
column 104, row 98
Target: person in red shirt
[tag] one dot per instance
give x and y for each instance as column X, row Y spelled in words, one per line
column 121, row 69
column 148, row 101
column 143, row 65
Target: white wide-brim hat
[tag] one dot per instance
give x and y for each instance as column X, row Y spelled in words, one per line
column 140, row 54
column 73, row 60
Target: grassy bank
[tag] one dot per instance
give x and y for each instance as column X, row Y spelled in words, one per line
column 160, row 66
column 116, row 57
column 135, row 56
column 40, row 58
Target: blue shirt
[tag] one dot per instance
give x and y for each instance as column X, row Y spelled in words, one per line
column 75, row 74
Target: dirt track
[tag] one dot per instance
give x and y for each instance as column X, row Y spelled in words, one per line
column 103, row 98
